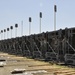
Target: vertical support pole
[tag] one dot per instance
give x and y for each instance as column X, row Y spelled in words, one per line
column 11, row 27
column 1, row 34
column 4, row 33
column 7, row 32
column 16, row 25
column 30, row 25
column 55, row 10
column 11, row 33
column 40, row 21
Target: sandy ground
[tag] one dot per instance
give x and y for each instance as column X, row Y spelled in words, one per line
column 31, row 66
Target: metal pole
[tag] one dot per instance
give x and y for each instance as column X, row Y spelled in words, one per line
column 4, row 35
column 29, row 28
column 11, row 27
column 15, row 32
column 7, row 32
column 1, row 34
column 55, row 10
column 40, row 25
column 11, row 33
column 29, row 25
column 40, row 21
column 54, row 21
column 16, row 25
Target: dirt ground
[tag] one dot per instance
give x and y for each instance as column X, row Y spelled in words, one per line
column 9, row 63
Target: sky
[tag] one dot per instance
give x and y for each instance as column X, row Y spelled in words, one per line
column 16, row 11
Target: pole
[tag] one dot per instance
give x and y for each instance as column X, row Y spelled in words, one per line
column 29, row 28
column 4, row 33
column 11, row 33
column 1, row 34
column 40, row 25
column 11, row 27
column 7, row 32
column 55, row 10
column 30, row 25
column 54, row 21
column 16, row 32
column 40, row 21
column 16, row 25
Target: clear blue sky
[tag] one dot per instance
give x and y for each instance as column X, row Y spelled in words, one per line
column 14, row 11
